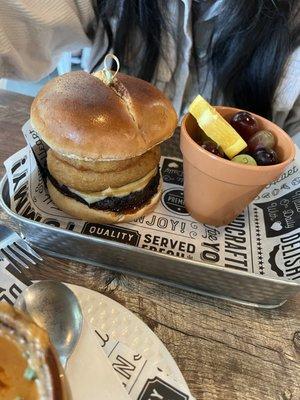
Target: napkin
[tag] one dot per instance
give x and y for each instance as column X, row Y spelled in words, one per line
column 92, row 374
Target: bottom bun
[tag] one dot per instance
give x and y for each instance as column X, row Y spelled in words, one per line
column 81, row 211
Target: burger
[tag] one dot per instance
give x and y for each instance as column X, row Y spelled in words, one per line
column 103, row 138
column 29, row 366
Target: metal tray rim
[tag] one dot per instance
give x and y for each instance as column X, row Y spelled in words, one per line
column 245, row 303
column 10, row 213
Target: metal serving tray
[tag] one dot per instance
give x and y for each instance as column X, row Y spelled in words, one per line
column 240, row 287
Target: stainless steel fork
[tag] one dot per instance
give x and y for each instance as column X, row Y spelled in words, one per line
column 15, row 250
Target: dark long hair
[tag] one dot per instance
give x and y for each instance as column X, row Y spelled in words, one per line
column 250, row 46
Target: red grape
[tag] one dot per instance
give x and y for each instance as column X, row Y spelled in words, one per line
column 213, row 148
column 265, row 157
column 245, row 124
column 261, row 140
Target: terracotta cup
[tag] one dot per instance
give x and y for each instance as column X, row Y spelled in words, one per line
column 216, row 190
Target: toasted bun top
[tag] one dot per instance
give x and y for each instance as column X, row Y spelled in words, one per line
column 81, row 117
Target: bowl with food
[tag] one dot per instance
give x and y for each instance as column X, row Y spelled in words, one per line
column 29, row 365
column 229, row 156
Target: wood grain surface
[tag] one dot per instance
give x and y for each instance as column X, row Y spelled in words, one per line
column 225, row 351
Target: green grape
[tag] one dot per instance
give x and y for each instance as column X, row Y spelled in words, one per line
column 244, row 159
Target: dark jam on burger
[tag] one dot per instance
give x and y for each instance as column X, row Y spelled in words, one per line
column 127, row 204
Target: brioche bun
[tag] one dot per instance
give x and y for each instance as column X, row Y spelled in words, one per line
column 81, row 117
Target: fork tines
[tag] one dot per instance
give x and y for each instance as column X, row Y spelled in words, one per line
column 18, row 252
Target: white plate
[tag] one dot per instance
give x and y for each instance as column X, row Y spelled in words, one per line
column 108, row 316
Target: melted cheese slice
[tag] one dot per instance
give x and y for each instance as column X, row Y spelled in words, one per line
column 122, row 191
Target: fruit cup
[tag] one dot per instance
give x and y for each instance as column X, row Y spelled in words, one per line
column 217, row 190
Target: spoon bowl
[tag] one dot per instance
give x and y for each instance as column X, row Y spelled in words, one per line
column 54, row 307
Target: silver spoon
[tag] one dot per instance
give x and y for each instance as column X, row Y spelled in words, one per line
column 55, row 308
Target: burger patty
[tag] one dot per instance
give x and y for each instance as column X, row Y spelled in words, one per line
column 128, row 203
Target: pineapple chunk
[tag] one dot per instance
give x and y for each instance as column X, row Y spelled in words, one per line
column 216, row 127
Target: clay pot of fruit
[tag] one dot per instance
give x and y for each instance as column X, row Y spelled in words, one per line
column 229, row 156
column 29, row 366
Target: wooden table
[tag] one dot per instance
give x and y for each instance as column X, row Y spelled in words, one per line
column 224, row 351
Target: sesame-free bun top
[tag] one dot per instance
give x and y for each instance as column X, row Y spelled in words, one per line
column 81, row 117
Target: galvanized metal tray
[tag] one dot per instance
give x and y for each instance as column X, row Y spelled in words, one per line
column 204, row 278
